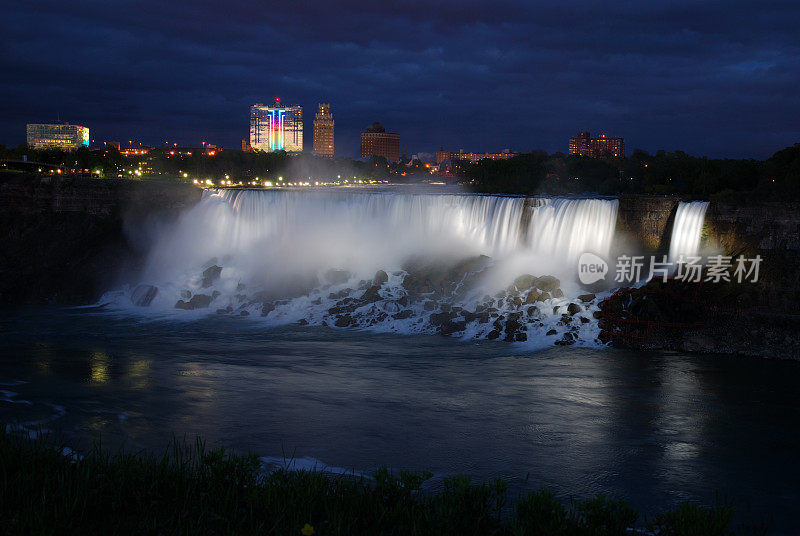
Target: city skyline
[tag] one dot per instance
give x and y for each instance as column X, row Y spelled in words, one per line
column 662, row 78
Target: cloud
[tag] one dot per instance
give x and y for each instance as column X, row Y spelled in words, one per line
column 717, row 78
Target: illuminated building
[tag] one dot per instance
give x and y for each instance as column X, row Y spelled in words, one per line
column 61, row 136
column 442, row 155
column 375, row 141
column 477, row 157
column 584, row 145
column 276, row 127
column 323, row 131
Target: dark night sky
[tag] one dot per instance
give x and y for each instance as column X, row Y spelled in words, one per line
column 711, row 78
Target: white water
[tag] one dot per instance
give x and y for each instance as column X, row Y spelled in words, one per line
column 687, row 230
column 267, row 241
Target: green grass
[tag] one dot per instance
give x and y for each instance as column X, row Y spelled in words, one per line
column 192, row 490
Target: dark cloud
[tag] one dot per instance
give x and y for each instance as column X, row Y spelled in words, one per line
column 716, row 78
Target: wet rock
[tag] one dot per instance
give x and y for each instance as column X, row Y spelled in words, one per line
column 547, row 283
column 584, row 320
column 371, row 295
column 244, row 313
column 521, row 336
column 494, row 334
column 439, row 319
column 210, row 275
column 198, row 301
column 597, row 315
column 533, row 296
column 337, row 277
column 525, row 282
column 403, row 301
column 380, row 278
column 406, row 313
column 552, row 332
column 533, row 312
column 267, row 309
column 573, row 308
column 445, row 307
column 302, row 322
column 143, row 295
column 339, row 295
column 604, row 337
column 544, row 296
column 185, row 294
column 556, row 308
column 558, row 293
column 451, row 327
column 429, row 305
column 344, row 321
column 586, row 298
column 221, row 311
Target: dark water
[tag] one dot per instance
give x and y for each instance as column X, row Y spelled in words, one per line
column 655, row 428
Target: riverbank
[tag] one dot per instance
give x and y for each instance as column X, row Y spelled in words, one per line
column 193, row 490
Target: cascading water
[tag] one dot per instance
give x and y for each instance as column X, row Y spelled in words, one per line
column 687, row 230
column 450, row 261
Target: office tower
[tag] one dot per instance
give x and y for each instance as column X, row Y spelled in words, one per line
column 323, row 131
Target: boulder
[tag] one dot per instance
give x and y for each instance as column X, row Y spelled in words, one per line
column 586, row 298
column 573, row 308
column 558, row 293
column 380, row 278
column 143, row 295
column 547, row 283
column 371, row 294
column 439, row 319
column 344, row 321
column 552, row 332
column 405, row 313
column 210, row 275
column 533, row 296
column 494, row 334
column 525, row 282
column 450, row 327
column 198, row 301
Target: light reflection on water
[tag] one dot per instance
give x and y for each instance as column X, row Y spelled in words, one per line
column 655, row 428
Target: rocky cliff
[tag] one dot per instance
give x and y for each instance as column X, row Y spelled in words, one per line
column 64, row 239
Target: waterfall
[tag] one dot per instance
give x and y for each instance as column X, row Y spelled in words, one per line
column 686, row 230
column 310, row 256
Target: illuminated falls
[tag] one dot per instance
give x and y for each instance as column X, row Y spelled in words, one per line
column 687, row 229
column 466, row 265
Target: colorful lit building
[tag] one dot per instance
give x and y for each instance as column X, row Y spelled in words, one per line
column 276, row 127
column 584, row 145
column 61, row 136
column 375, row 141
column 323, row 131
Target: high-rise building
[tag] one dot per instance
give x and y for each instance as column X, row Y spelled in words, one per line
column 276, row 127
column 442, row 155
column 61, row 136
column 375, row 141
column 323, row 131
column 584, row 145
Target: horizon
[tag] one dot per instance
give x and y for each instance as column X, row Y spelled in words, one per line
column 530, row 76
